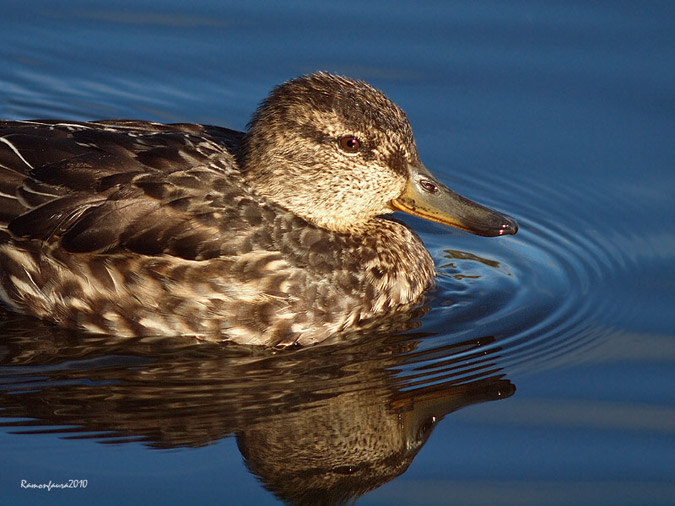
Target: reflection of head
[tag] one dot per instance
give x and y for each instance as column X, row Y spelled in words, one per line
column 344, row 446
column 331, row 453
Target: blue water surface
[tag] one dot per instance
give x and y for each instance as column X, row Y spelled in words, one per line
column 561, row 114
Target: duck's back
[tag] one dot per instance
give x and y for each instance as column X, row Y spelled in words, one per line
column 59, row 179
column 140, row 228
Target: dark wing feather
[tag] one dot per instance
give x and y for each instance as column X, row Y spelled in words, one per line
column 101, row 187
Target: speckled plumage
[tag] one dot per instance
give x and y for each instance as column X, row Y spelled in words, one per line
column 270, row 237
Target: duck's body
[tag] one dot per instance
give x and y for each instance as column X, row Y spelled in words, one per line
column 270, row 237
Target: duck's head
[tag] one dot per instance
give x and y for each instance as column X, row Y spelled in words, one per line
column 338, row 153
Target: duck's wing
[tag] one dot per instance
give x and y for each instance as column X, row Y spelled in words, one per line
column 103, row 186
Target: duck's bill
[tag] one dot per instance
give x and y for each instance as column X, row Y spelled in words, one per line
column 428, row 198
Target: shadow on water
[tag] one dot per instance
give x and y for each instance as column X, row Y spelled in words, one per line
column 323, row 424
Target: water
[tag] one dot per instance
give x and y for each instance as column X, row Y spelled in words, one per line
column 540, row 371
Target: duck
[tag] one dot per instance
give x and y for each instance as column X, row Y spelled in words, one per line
column 277, row 236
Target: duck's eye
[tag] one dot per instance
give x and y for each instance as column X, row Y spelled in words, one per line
column 346, row 469
column 428, row 186
column 350, row 144
column 423, row 430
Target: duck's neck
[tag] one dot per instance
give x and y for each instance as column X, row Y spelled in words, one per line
column 325, row 201
column 401, row 268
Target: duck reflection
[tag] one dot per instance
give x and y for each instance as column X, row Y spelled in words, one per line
column 323, row 424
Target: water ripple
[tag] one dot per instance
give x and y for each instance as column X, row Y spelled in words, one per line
column 547, row 294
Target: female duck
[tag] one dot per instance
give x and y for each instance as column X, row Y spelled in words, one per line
column 271, row 237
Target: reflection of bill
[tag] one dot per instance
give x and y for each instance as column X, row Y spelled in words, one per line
column 323, row 424
column 347, row 444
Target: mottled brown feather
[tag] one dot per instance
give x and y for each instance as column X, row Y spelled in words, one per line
column 137, row 228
